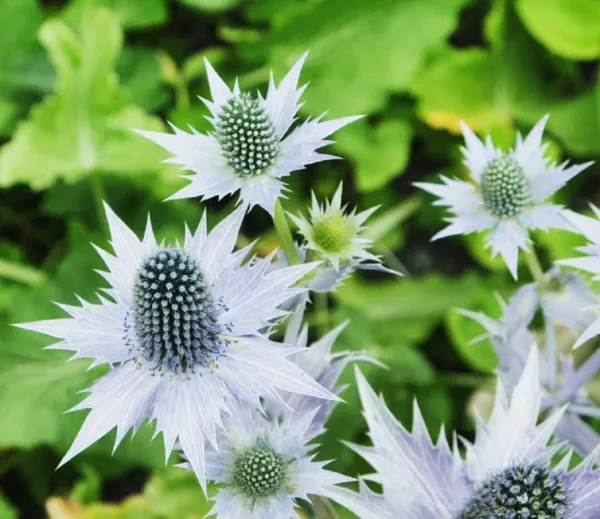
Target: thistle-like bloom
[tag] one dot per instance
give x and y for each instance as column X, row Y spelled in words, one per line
column 590, row 228
column 506, row 194
column 263, row 467
column 183, row 336
column 334, row 235
column 506, row 473
column 561, row 383
column 318, row 362
column 251, row 147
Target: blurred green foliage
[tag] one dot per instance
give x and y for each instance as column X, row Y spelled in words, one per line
column 77, row 76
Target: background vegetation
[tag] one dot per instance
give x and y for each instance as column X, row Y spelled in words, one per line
column 76, row 76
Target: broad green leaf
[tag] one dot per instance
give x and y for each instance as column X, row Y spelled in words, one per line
column 569, row 28
column 133, row 14
column 462, row 330
column 380, row 153
column 22, row 19
column 170, row 494
column 408, row 298
column 7, row 511
column 458, row 85
column 140, row 71
column 576, row 123
column 211, row 6
column 360, row 51
column 87, row 124
column 488, row 89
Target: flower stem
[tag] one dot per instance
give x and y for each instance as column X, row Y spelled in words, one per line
column 533, row 263
column 21, row 273
column 99, row 195
column 284, row 232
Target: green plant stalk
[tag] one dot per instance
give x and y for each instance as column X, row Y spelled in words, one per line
column 282, row 226
column 393, row 217
column 533, row 263
column 99, row 196
column 21, row 273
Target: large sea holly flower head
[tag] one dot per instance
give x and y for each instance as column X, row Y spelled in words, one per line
column 336, row 237
column 254, row 144
column 263, row 467
column 507, row 472
column 506, row 194
column 184, row 335
column 561, row 383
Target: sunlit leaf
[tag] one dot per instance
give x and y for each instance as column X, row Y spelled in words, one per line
column 87, row 124
column 569, row 28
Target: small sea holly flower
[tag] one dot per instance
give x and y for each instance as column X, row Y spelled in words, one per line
column 253, row 145
column 561, row 383
column 335, row 236
column 263, row 467
column 590, row 228
column 507, row 193
column 507, row 472
column 318, row 362
column 184, row 336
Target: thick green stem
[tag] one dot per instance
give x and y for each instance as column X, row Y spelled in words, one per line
column 533, row 263
column 284, row 232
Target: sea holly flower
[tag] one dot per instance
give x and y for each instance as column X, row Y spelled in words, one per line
column 318, row 362
column 335, row 236
column 506, row 194
column 183, row 334
column 506, row 472
column 590, row 228
column 561, row 383
column 263, row 467
column 252, row 146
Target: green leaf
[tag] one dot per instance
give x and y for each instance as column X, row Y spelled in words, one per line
column 380, row 153
column 140, row 71
column 462, row 330
column 22, row 19
column 489, row 89
column 569, row 28
column 133, row 14
column 87, row 124
column 576, row 123
column 428, row 297
column 7, row 511
column 458, row 85
column 360, row 51
column 211, row 6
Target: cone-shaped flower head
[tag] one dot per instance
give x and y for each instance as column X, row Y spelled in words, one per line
column 262, row 467
column 506, row 473
column 254, row 144
column 184, row 335
column 335, row 236
column 506, row 194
